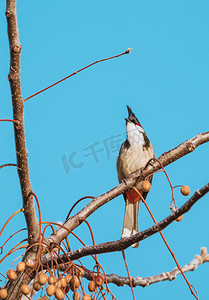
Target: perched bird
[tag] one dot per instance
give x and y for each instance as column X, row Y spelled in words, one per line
column 134, row 154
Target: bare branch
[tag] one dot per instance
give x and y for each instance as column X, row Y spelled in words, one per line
column 18, row 106
column 76, row 72
column 21, row 151
column 124, row 243
column 139, row 281
column 166, row 159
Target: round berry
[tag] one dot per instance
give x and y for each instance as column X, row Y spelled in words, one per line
column 58, row 294
column 80, row 271
column 20, row 266
column 3, row 293
column 58, row 284
column 92, row 286
column 52, row 279
column 11, row 274
column 68, row 277
column 179, row 218
column 42, row 278
column 36, row 286
column 86, row 297
column 50, row 290
column 185, row 190
column 63, row 282
column 99, row 280
column 25, row 289
column 74, row 282
column 146, row 186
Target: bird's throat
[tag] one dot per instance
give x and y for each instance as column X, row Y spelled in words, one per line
column 134, row 136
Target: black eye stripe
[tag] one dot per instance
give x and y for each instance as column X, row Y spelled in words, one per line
column 133, row 121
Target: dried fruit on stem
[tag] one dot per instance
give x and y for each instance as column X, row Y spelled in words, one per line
column 146, row 185
column 99, row 280
column 20, row 266
column 3, row 293
column 74, row 282
column 52, row 279
column 185, row 190
column 58, row 294
column 50, row 290
column 86, row 297
column 76, row 296
column 92, row 286
column 36, row 286
column 25, row 289
column 42, row 278
column 179, row 218
column 11, row 274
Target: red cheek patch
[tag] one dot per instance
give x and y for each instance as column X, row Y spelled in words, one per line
column 132, row 196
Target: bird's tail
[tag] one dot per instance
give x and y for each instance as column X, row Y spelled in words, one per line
column 130, row 224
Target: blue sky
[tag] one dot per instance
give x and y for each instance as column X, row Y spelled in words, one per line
column 164, row 80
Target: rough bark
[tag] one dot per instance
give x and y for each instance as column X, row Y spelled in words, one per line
column 18, row 106
column 19, row 131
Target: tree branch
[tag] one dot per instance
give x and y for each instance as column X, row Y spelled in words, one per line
column 18, row 106
column 124, row 243
column 139, row 281
column 166, row 159
column 13, row 287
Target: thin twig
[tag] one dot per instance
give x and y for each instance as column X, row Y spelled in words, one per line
column 8, row 165
column 14, row 214
column 130, row 280
column 9, row 120
column 76, row 72
column 166, row 243
column 74, row 205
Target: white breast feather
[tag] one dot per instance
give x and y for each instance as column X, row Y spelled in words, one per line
column 133, row 158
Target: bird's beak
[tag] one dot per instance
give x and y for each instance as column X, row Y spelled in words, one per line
column 127, row 120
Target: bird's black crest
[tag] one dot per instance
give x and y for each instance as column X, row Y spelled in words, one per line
column 131, row 116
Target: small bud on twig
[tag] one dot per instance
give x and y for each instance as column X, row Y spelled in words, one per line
column 203, row 251
column 128, row 50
